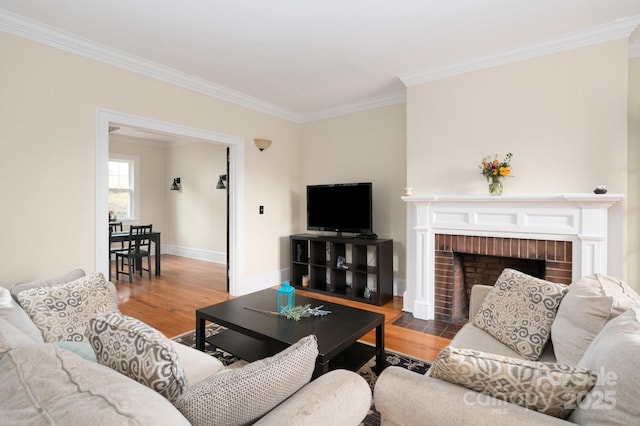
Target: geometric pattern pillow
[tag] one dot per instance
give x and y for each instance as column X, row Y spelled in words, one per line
column 519, row 312
column 239, row 396
column 62, row 312
column 138, row 351
column 553, row 389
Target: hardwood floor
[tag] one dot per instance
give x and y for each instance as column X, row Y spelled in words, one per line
column 168, row 303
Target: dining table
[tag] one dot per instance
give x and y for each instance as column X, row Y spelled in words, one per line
column 120, row 236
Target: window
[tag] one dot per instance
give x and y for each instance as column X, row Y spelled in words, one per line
column 122, row 188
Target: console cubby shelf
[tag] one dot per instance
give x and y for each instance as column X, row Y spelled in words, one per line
column 366, row 274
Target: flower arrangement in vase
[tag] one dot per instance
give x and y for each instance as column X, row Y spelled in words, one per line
column 495, row 170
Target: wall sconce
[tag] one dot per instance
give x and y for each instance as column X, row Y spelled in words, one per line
column 221, row 181
column 175, row 186
column 262, row 144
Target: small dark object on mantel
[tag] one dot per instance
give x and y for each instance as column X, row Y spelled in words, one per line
column 602, row 189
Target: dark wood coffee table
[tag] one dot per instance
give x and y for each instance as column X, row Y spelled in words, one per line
column 252, row 335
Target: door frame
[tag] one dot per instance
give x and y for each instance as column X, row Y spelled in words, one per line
column 235, row 204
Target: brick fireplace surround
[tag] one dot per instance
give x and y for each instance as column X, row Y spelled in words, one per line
column 452, row 287
column 573, row 234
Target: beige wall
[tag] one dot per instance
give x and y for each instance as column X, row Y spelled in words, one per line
column 563, row 116
column 366, row 146
column 633, row 207
column 48, row 155
column 197, row 213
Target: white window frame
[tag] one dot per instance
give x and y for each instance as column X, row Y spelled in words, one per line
column 134, row 180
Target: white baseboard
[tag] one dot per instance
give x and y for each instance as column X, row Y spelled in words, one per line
column 191, row 253
column 263, row 281
column 399, row 286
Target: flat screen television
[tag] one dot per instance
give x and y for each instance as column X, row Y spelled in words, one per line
column 344, row 207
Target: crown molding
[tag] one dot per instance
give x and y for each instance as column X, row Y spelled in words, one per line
column 620, row 28
column 38, row 32
column 373, row 103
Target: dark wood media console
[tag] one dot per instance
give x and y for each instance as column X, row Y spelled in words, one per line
column 368, row 265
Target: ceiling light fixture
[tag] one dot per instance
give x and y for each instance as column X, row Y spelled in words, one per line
column 262, row 144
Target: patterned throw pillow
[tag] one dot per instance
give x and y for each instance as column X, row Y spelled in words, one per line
column 519, row 312
column 553, row 389
column 62, row 312
column 138, row 351
column 238, row 396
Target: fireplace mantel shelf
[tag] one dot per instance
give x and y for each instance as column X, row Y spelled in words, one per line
column 516, row 198
column 592, row 223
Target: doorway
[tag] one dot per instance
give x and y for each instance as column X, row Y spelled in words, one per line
column 235, row 172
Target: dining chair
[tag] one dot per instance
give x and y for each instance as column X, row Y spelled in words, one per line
column 138, row 247
column 115, row 247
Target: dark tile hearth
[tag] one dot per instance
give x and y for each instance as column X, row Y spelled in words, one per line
column 436, row 327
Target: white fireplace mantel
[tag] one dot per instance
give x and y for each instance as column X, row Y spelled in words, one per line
column 593, row 223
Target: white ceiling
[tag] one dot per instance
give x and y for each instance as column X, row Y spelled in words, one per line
column 303, row 59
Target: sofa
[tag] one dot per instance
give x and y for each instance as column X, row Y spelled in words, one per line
column 68, row 356
column 578, row 363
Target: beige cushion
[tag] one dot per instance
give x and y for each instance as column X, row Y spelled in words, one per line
column 519, row 311
column 588, row 305
column 197, row 365
column 46, row 385
column 138, row 351
column 478, row 293
column 553, row 389
column 471, row 337
column 48, row 282
column 239, row 396
column 339, row 397
column 5, row 298
column 62, row 312
column 11, row 337
column 614, row 355
column 16, row 316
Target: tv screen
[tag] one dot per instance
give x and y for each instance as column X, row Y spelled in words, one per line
column 342, row 207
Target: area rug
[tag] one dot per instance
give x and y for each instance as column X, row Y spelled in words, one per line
column 367, row 371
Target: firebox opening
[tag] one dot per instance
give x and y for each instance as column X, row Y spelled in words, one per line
column 473, row 269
